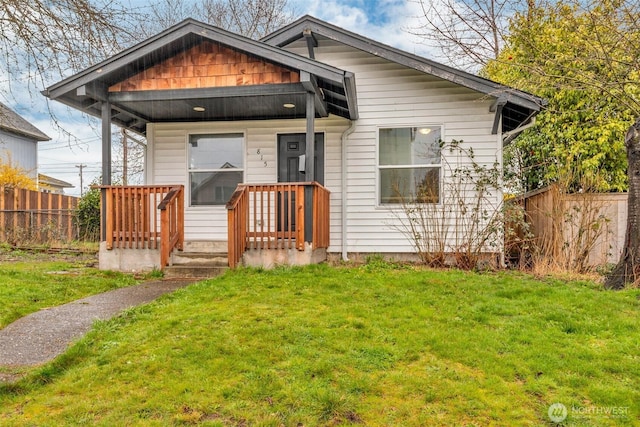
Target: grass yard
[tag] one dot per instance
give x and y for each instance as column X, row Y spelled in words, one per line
column 28, row 284
column 372, row 345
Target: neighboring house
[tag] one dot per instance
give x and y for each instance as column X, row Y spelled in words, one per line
column 19, row 141
column 48, row 184
column 220, row 110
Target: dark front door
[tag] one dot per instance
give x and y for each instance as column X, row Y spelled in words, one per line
column 290, row 148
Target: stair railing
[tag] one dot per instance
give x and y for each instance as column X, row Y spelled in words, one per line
column 171, row 223
column 286, row 215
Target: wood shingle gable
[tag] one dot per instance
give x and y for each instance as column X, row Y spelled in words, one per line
column 208, row 65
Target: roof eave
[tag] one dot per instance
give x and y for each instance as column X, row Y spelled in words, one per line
column 181, row 30
column 25, row 134
column 294, row 31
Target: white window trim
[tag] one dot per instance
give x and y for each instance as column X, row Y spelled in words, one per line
column 392, row 206
column 189, row 170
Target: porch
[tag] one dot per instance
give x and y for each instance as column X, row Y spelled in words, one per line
column 268, row 225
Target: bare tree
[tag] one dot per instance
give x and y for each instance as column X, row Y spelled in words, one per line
column 468, row 33
column 162, row 14
column 129, row 158
column 41, row 40
column 251, row 18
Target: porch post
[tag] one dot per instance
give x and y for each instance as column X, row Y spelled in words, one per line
column 310, row 151
column 310, row 156
column 106, row 162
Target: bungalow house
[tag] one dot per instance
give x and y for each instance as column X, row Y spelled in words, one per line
column 49, row 184
column 282, row 150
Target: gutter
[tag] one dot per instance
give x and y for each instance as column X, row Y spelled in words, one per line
column 343, row 185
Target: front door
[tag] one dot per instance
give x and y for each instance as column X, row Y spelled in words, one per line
column 290, row 148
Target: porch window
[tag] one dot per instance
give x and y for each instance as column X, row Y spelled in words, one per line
column 216, row 167
column 409, row 166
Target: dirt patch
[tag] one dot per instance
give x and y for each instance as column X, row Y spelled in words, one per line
column 87, row 258
column 11, row 377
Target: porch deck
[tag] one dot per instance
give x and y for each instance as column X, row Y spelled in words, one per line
column 268, row 224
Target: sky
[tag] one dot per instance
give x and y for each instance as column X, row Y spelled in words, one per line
column 387, row 21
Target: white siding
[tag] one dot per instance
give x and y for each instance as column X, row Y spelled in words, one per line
column 389, row 95
column 22, row 151
column 168, row 165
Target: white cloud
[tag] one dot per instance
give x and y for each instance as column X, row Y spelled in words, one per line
column 386, row 21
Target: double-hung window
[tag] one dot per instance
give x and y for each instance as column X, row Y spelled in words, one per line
column 216, row 167
column 409, row 166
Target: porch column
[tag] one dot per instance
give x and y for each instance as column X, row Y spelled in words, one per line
column 106, row 143
column 310, row 156
column 106, row 162
column 310, row 151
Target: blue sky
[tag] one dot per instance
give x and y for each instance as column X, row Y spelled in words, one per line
column 384, row 20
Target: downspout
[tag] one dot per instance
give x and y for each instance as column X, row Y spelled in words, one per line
column 343, row 141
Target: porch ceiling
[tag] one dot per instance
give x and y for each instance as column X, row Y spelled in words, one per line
column 133, row 110
column 268, row 106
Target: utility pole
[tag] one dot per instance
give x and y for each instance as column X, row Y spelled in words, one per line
column 81, row 166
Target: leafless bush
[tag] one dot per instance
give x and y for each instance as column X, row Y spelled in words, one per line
column 468, row 221
column 569, row 226
column 518, row 235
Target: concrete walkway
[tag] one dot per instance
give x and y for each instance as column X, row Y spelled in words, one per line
column 43, row 335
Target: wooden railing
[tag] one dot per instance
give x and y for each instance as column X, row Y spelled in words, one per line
column 321, row 202
column 171, row 223
column 277, row 216
column 144, row 217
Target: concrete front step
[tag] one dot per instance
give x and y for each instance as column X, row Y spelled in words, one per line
column 196, row 264
column 211, row 258
column 193, row 271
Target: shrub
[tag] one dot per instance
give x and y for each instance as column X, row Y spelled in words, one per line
column 88, row 215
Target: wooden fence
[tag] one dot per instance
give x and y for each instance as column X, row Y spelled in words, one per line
column 28, row 216
column 558, row 220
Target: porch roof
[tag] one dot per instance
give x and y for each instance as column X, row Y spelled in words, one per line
column 516, row 108
column 334, row 89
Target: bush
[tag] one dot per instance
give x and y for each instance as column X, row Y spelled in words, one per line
column 88, row 215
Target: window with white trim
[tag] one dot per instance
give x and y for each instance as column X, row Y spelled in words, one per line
column 409, row 164
column 216, row 167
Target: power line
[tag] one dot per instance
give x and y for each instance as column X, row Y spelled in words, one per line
column 73, row 140
column 65, row 164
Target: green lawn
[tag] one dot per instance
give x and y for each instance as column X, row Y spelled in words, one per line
column 372, row 345
column 28, row 286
